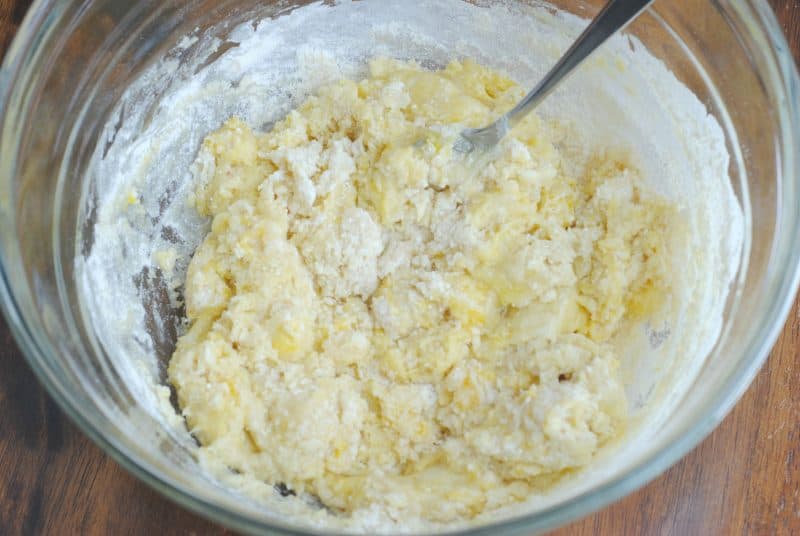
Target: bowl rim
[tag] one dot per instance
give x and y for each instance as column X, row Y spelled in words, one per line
column 42, row 15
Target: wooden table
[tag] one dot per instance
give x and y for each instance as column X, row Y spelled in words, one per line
column 743, row 479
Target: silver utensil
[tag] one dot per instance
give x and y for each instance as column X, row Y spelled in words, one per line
column 614, row 17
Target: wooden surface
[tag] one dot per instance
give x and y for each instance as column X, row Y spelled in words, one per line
column 744, row 479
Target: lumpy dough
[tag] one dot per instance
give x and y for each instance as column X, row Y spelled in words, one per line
column 375, row 325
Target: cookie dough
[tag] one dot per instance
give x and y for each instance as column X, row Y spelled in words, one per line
column 375, row 324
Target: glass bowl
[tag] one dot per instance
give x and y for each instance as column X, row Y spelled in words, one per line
column 71, row 64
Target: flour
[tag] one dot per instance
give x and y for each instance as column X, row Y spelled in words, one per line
column 622, row 97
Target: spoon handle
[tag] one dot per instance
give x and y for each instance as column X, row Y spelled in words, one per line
column 613, row 17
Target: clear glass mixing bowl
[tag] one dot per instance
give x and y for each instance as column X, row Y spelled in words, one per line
column 68, row 67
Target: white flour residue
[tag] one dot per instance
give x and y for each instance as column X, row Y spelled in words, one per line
column 623, row 98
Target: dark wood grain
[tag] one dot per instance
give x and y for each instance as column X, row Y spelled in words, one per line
column 743, row 479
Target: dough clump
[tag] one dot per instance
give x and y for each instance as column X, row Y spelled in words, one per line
column 374, row 325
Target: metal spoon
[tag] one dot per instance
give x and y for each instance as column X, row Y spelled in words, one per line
column 614, row 16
